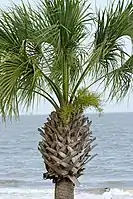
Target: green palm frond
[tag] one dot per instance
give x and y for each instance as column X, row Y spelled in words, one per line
column 84, row 99
column 113, row 60
column 15, row 26
column 120, row 80
column 23, row 73
column 108, row 44
column 108, row 51
column 19, row 77
column 69, row 17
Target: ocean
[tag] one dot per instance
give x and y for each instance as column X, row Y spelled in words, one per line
column 21, row 165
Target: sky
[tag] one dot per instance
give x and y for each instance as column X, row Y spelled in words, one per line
column 44, row 107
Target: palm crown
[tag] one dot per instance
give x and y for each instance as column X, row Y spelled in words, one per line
column 47, row 50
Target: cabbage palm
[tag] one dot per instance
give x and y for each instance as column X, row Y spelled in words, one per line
column 58, row 51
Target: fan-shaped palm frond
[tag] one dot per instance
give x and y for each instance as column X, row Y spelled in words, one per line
column 70, row 18
column 108, row 58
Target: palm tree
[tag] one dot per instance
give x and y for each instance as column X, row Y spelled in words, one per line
column 58, row 50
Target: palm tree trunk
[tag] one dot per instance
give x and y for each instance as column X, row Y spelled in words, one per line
column 64, row 189
column 65, row 149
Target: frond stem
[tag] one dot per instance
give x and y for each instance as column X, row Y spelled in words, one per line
column 55, row 89
column 51, row 100
column 65, row 80
column 47, row 95
column 47, row 98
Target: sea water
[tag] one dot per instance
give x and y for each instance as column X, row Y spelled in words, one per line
column 17, row 193
column 21, row 166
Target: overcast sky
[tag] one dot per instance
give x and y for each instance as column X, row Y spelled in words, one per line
column 44, row 108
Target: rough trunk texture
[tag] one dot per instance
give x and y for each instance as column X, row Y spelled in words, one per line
column 64, row 189
column 65, row 149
